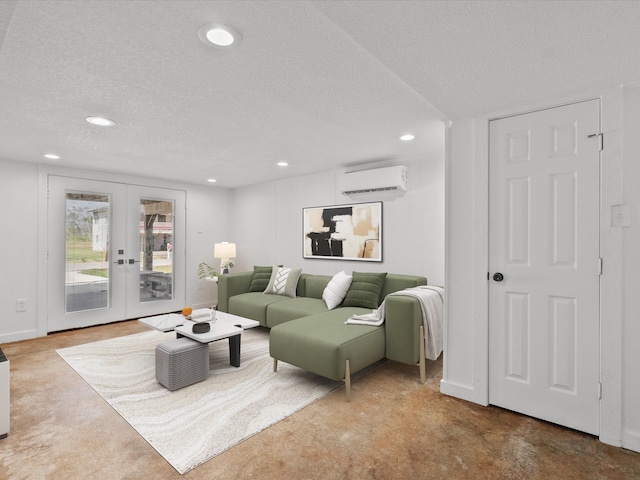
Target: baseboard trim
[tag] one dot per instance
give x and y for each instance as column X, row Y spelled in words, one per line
column 17, row 336
column 631, row 441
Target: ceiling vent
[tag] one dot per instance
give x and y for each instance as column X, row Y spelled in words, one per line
column 387, row 183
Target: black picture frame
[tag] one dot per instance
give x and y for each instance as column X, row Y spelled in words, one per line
column 343, row 232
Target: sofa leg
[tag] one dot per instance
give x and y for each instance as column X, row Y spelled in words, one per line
column 347, row 380
column 275, row 364
column 422, row 362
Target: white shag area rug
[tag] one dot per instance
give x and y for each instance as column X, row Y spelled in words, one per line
column 192, row 425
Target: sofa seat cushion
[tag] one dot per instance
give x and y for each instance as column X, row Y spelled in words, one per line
column 293, row 308
column 321, row 343
column 253, row 305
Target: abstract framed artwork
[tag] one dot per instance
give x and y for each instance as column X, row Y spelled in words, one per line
column 343, row 232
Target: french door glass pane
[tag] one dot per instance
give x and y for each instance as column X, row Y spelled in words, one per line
column 156, row 250
column 88, row 218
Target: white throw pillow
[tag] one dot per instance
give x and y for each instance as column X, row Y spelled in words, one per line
column 336, row 290
column 284, row 281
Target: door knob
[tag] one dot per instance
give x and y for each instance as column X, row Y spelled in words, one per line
column 498, row 277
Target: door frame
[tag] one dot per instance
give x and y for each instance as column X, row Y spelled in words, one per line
column 611, row 102
column 43, row 215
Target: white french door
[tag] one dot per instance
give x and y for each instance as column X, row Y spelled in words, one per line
column 544, row 309
column 115, row 251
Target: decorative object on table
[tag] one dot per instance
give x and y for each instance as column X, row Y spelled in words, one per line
column 225, row 251
column 343, row 232
column 200, row 315
column 186, row 311
column 203, row 327
column 206, row 272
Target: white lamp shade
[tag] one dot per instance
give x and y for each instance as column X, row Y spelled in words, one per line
column 224, row 250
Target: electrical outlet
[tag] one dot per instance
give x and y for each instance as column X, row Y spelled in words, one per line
column 21, row 305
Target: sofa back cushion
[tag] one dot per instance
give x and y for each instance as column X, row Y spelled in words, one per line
column 394, row 283
column 260, row 278
column 315, row 285
column 336, row 290
column 283, row 281
column 365, row 290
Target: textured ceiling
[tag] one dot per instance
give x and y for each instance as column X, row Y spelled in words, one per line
column 320, row 84
column 478, row 57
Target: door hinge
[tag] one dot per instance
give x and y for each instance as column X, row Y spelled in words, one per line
column 599, row 391
column 600, row 139
column 599, row 265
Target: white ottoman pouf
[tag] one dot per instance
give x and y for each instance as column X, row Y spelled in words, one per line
column 181, row 362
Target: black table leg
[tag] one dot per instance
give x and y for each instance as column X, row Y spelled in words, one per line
column 234, row 350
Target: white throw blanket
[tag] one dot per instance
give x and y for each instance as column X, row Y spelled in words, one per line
column 431, row 301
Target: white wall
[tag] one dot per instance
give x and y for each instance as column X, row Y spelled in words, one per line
column 208, row 221
column 18, row 249
column 631, row 269
column 268, row 223
column 465, row 373
column 24, row 266
column 462, row 328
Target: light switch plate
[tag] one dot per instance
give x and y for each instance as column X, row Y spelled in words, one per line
column 620, row 216
column 21, row 305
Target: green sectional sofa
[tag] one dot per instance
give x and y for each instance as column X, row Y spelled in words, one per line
column 305, row 333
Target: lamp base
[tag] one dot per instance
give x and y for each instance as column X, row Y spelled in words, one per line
column 225, row 270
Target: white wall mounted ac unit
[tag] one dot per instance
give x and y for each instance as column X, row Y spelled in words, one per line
column 386, row 183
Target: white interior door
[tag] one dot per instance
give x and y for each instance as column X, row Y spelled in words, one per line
column 544, row 357
column 115, row 251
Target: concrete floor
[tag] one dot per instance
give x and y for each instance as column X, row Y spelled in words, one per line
column 394, row 428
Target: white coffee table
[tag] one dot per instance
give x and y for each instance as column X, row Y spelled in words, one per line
column 225, row 325
column 163, row 323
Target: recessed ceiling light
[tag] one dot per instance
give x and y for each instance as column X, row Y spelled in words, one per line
column 218, row 35
column 283, row 164
column 100, row 121
column 211, row 180
column 407, row 137
column 51, row 156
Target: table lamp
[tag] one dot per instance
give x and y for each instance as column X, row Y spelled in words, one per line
column 225, row 251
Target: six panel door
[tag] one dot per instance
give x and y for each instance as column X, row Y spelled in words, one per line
column 544, row 358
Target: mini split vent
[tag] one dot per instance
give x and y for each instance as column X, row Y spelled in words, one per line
column 386, row 183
